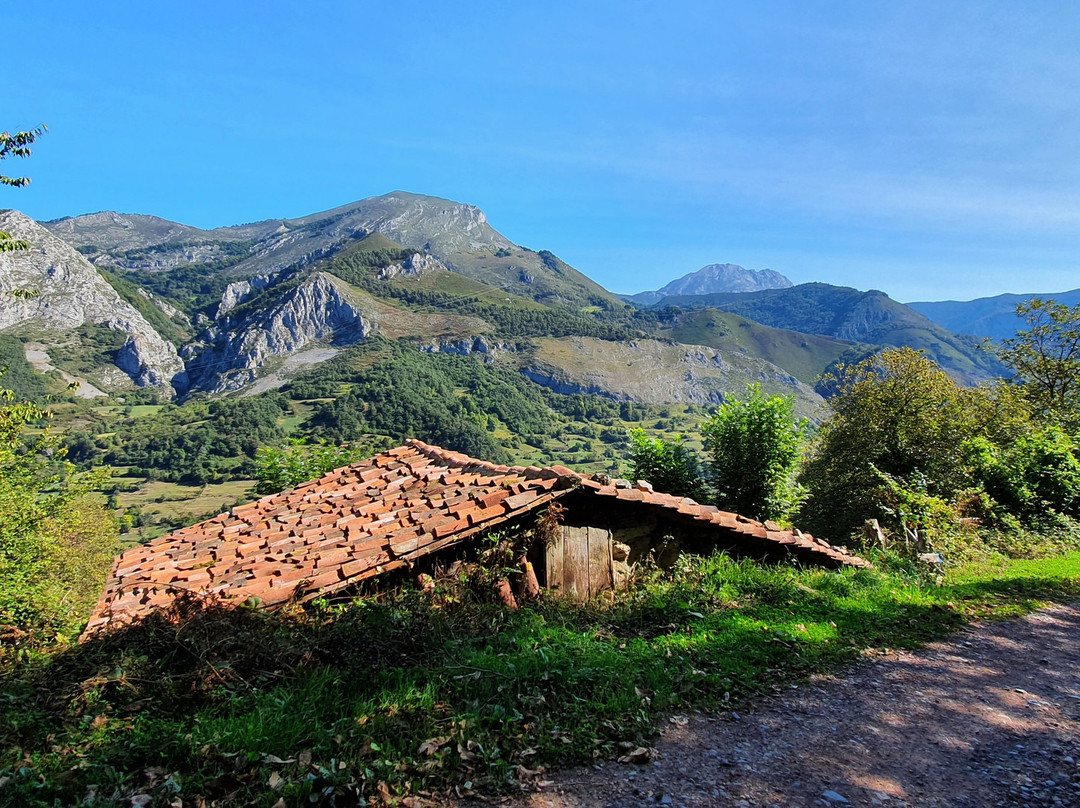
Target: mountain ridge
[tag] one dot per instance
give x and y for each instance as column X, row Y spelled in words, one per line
column 844, row 313
column 991, row 317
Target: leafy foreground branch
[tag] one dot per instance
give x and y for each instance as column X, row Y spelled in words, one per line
column 422, row 695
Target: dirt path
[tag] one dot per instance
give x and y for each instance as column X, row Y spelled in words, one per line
column 989, row 718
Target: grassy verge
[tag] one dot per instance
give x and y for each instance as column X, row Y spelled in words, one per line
column 419, row 696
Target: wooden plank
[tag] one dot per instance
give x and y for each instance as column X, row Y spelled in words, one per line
column 576, row 562
column 553, row 563
column 600, row 578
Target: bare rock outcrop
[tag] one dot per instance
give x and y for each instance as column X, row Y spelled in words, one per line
column 69, row 292
column 414, row 266
column 235, row 348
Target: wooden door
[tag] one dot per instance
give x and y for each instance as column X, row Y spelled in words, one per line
column 579, row 562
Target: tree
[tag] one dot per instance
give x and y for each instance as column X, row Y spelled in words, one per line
column 55, row 543
column 897, row 419
column 753, row 446
column 17, row 145
column 669, row 466
column 1046, row 357
column 279, row 469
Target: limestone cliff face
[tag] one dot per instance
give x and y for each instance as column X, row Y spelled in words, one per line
column 239, row 291
column 482, row 346
column 870, row 313
column 232, row 351
column 415, row 266
column 69, row 293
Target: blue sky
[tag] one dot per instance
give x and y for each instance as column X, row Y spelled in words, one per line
column 926, row 149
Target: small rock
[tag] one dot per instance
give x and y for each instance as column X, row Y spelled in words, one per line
column 665, row 800
column 832, row 796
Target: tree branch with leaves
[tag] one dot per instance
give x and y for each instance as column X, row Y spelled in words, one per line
column 16, row 145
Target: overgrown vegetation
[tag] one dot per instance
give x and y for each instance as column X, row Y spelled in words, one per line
column 424, row 695
column 669, row 465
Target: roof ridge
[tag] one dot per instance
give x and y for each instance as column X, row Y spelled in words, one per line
column 461, row 460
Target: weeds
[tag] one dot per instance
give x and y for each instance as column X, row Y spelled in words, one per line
column 421, row 695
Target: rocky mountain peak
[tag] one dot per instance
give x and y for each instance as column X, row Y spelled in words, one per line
column 725, row 278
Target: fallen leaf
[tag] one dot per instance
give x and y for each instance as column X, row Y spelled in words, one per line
column 276, row 781
column 432, row 745
column 304, row 758
column 276, row 759
column 639, row 755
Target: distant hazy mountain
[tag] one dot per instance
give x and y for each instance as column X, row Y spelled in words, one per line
column 715, row 278
column 993, row 317
column 843, row 313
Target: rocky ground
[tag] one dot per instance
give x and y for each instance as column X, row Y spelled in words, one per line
column 988, row 718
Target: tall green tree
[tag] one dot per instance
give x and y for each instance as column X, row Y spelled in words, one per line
column 55, row 541
column 897, row 419
column 1046, row 358
column 753, row 446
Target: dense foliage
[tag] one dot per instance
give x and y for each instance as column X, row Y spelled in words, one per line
column 55, row 541
column 452, row 401
column 753, row 445
column 279, row 469
column 201, row 441
column 668, row 465
column 895, row 416
column 1046, row 357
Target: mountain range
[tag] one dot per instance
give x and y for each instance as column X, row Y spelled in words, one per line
column 134, row 301
column 991, row 317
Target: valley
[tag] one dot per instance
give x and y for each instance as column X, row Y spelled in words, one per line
column 393, row 317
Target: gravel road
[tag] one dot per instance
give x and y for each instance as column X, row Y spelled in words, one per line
column 990, row 717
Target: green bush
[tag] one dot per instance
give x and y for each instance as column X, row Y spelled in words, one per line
column 895, row 414
column 668, row 465
column 55, row 543
column 753, row 446
column 1035, row 477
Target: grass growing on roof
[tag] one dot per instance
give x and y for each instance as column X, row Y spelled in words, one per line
column 428, row 693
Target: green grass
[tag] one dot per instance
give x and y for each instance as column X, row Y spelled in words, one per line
column 429, row 693
column 804, row 356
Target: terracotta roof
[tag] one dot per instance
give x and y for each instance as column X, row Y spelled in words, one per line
column 372, row 517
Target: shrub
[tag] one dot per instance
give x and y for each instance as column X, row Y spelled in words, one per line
column 668, row 465
column 753, row 445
